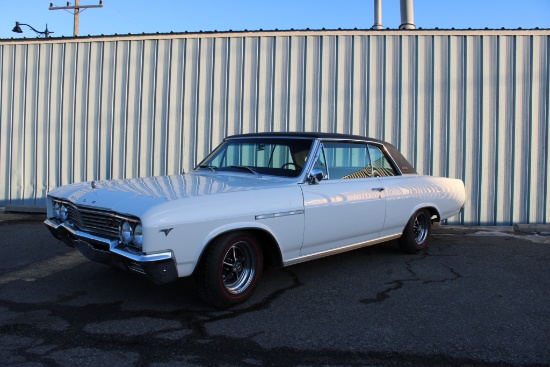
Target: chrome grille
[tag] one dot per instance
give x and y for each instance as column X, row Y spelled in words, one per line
column 97, row 222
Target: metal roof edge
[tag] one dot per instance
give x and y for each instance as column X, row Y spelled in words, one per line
column 287, row 33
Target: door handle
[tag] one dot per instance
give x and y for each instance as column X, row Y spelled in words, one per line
column 379, row 189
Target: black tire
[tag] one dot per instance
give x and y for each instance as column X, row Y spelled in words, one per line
column 229, row 270
column 416, row 235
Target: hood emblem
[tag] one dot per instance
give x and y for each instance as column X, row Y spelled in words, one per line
column 94, row 184
column 166, row 231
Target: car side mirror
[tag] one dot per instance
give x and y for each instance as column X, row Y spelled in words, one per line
column 315, row 176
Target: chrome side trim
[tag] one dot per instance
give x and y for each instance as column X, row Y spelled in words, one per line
column 112, row 245
column 280, row 214
column 339, row 250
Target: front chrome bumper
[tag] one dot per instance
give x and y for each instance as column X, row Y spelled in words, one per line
column 159, row 267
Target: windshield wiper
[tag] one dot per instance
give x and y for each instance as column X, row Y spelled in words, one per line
column 207, row 166
column 247, row 169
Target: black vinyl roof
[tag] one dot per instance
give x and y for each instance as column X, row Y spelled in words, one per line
column 310, row 135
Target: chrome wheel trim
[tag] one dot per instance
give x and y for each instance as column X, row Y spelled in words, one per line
column 238, row 267
column 420, row 227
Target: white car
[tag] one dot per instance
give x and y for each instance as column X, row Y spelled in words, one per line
column 266, row 199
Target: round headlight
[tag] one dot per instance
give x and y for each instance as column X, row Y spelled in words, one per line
column 125, row 232
column 63, row 213
column 138, row 235
column 56, row 208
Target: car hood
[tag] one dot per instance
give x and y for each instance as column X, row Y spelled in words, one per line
column 134, row 196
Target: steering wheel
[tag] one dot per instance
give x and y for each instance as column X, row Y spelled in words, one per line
column 296, row 167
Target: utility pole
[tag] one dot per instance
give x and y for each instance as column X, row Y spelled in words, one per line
column 76, row 7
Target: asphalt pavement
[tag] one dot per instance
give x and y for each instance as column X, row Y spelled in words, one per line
column 479, row 296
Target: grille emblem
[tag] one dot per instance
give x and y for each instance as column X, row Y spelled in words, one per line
column 166, row 231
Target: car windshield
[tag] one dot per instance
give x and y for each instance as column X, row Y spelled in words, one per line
column 258, row 156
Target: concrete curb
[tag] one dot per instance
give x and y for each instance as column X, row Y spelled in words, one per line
column 25, row 209
column 542, row 229
column 532, row 228
column 13, row 216
column 465, row 230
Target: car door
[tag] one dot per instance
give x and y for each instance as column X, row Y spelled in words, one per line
column 348, row 206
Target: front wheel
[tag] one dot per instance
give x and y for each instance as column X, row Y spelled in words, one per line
column 229, row 270
column 416, row 235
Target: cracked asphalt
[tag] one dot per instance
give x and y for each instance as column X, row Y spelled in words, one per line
column 475, row 298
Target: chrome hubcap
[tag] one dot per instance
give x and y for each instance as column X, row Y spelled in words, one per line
column 238, row 268
column 420, row 228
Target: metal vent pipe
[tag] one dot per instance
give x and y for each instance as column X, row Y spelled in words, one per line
column 407, row 15
column 377, row 15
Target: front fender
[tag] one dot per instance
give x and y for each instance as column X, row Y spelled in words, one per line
column 237, row 227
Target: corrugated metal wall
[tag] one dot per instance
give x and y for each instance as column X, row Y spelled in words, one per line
column 467, row 104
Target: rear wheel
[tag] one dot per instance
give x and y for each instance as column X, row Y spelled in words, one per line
column 416, row 235
column 229, row 270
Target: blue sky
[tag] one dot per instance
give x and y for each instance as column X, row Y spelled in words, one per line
column 137, row 16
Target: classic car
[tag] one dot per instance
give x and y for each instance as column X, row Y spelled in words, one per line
column 258, row 200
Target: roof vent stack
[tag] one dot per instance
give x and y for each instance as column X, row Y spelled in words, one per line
column 377, row 15
column 407, row 15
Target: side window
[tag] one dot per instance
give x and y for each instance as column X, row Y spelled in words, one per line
column 346, row 160
column 381, row 166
